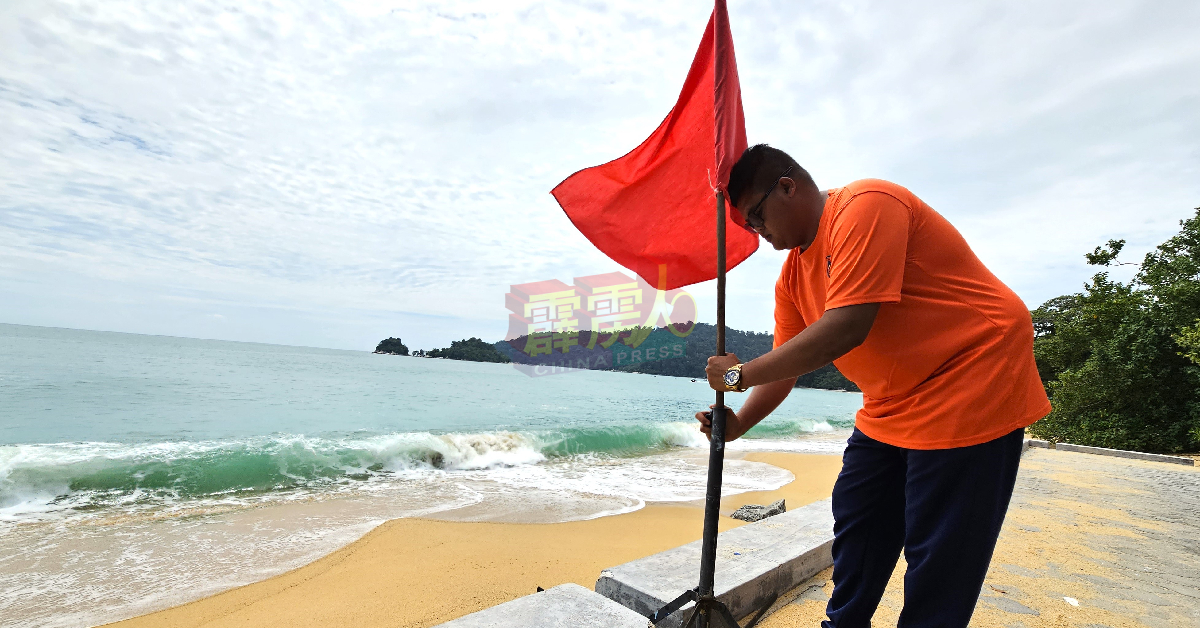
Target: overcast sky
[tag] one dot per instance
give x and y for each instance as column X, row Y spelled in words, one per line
column 332, row 173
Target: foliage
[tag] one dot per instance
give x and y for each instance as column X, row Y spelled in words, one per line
column 471, row 349
column 700, row 344
column 393, row 346
column 748, row 345
column 827, row 377
column 1105, row 255
column 1120, row 361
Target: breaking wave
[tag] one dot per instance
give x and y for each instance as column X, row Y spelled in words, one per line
column 84, row 476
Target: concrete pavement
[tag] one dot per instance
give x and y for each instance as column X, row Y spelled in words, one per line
column 1089, row 542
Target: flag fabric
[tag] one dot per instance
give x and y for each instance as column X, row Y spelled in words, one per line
column 653, row 210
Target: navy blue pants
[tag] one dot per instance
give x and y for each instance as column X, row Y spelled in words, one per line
column 943, row 507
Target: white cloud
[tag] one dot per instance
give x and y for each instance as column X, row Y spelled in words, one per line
column 326, row 174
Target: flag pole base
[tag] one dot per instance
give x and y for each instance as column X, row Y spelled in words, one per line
column 709, row 612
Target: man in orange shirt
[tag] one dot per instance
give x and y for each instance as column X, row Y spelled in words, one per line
column 884, row 287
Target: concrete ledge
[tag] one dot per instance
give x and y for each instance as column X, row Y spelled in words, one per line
column 1042, row 444
column 564, row 606
column 1120, row 453
column 754, row 563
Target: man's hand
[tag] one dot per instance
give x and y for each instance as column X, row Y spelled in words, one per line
column 717, row 365
column 733, row 425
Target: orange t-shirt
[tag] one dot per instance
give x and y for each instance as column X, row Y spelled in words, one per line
column 949, row 360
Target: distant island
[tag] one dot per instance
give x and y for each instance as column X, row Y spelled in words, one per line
column 699, row 345
column 391, row 346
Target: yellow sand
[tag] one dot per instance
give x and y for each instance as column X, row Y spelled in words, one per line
column 420, row 572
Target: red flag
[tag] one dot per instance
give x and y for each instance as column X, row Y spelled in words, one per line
column 652, row 211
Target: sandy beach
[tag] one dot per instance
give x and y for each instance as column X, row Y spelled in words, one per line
column 420, row 572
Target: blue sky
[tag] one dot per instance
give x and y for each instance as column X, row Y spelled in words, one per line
column 332, row 173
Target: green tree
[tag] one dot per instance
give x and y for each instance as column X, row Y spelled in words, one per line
column 393, row 346
column 1119, row 360
column 472, row 349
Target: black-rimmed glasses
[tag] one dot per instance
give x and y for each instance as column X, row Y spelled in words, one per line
column 754, row 220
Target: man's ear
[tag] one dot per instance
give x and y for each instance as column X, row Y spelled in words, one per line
column 789, row 186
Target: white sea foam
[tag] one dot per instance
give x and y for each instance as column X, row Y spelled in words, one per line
column 488, row 451
column 41, row 480
column 682, row 434
column 657, row 478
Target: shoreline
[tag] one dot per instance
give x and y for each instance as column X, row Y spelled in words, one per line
column 420, row 572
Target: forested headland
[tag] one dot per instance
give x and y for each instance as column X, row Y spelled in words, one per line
column 1121, row 361
column 472, row 349
column 700, row 343
column 747, row 345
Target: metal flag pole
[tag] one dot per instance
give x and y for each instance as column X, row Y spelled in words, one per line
column 710, row 612
column 716, row 449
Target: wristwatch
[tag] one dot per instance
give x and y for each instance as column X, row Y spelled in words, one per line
column 733, row 379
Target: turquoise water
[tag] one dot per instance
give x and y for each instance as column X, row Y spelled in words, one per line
column 88, row 418
column 142, row 471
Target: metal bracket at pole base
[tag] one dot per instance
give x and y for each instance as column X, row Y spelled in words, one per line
column 674, row 605
column 711, row 613
column 708, row 613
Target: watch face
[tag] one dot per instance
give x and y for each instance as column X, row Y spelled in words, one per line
column 731, row 378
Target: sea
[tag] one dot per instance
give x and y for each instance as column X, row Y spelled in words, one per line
column 139, row 472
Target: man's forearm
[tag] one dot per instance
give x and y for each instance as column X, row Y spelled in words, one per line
column 763, row 400
column 829, row 338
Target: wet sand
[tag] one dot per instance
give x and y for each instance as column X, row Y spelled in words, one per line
column 410, row 573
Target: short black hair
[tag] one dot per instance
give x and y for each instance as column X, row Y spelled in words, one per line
column 759, row 167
